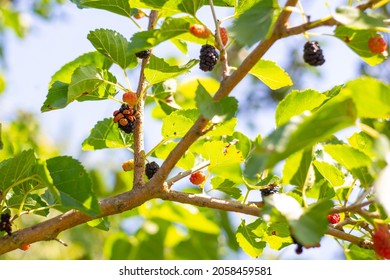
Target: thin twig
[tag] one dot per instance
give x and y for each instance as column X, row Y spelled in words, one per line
column 223, row 54
column 352, row 207
column 184, row 174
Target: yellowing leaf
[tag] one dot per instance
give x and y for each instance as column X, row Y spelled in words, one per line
column 271, row 74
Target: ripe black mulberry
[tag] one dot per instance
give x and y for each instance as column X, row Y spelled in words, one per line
column 5, row 223
column 208, row 58
column 151, row 168
column 271, row 189
column 312, row 54
column 143, row 54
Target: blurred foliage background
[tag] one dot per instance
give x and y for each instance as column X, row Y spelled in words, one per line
column 156, row 230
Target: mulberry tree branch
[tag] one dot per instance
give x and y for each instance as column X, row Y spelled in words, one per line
column 139, row 150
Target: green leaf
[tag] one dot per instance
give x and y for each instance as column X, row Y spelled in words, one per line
column 271, row 74
column 224, row 129
column 296, row 103
column 226, row 186
column 64, row 75
column 1, row 142
column 120, row 7
column 186, row 162
column 191, row 217
column 101, row 223
column 57, row 98
column 177, row 123
column 86, row 82
column 332, row 174
column 357, row 40
column 225, row 160
column 114, row 46
column 312, row 224
column 259, row 18
column 354, row 18
column 248, row 241
column 321, row 188
column 299, row 133
column 2, row 80
column 362, row 142
column 355, row 161
column 106, row 134
column 117, row 246
column 296, row 168
column 216, row 111
column 371, row 96
column 158, row 70
column 382, row 190
column 171, row 28
column 14, row 170
column 277, row 235
column 354, row 252
column 190, row 6
column 243, row 5
column 73, row 184
column 243, row 143
column 30, row 203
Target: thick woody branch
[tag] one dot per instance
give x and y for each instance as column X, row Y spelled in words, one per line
column 203, row 200
column 361, row 242
column 139, row 150
column 49, row 229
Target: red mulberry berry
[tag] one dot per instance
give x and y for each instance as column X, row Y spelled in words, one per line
column 334, row 218
column 312, row 54
column 224, row 36
column 199, row 30
column 197, row 178
column 25, row 247
column 208, row 58
column 377, row 45
column 381, row 239
column 130, row 98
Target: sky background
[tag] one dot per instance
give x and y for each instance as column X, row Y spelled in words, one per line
column 33, row 60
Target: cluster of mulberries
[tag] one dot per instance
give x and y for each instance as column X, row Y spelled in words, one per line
column 125, row 117
column 208, row 57
column 271, row 189
column 312, row 54
column 151, row 168
column 5, row 223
